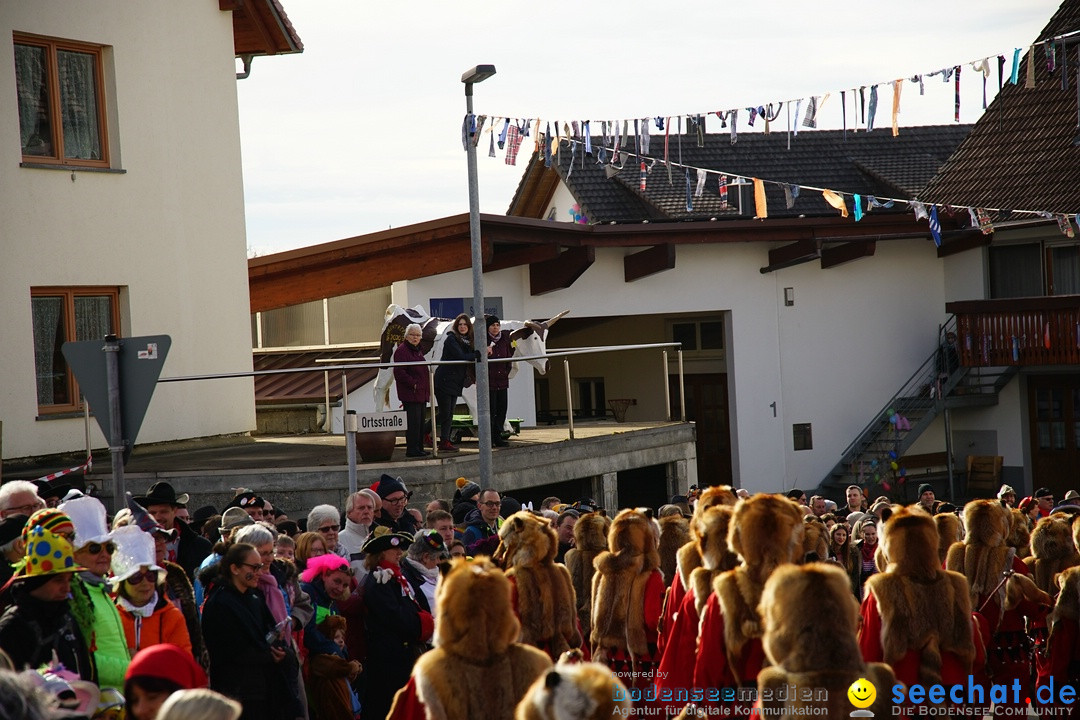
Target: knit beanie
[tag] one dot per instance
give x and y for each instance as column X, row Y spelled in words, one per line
column 388, row 485
column 167, row 662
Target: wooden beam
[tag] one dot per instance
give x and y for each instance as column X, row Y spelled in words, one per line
column 558, row 274
column 969, row 240
column 794, row 254
column 648, row 262
column 834, row 255
column 526, row 255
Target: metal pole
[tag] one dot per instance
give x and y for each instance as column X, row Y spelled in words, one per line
column 682, row 390
column 667, row 389
column 327, row 425
column 483, row 395
column 569, row 398
column 434, row 427
column 116, row 439
column 350, row 448
column 949, row 454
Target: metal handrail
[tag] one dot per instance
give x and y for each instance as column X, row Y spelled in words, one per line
column 926, row 374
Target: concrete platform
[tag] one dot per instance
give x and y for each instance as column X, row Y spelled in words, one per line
column 296, row 472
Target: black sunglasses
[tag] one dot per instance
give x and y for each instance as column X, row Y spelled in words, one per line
column 94, row 548
column 142, row 575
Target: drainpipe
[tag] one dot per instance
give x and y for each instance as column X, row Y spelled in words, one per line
column 247, row 60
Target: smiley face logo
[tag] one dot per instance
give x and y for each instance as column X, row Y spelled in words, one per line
column 862, row 693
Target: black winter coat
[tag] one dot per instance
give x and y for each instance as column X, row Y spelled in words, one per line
column 31, row 629
column 450, row 379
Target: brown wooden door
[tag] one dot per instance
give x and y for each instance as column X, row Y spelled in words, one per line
column 1054, row 420
column 707, row 406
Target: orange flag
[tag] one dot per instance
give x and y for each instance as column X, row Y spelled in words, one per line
column 836, row 201
column 760, row 206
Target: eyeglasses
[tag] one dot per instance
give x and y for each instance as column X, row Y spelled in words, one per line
column 329, row 528
column 142, row 575
column 396, row 501
column 27, row 509
column 94, row 548
column 252, row 566
column 491, row 503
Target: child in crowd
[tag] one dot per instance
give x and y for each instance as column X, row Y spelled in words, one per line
column 329, row 677
column 284, row 548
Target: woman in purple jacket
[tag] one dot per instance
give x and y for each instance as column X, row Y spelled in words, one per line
column 412, row 389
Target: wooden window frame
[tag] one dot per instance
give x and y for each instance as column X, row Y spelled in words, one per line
column 69, row 294
column 52, row 46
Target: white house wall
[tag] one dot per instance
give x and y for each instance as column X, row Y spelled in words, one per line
column 169, row 231
column 854, row 335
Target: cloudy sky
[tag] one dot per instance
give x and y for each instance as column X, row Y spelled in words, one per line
column 361, row 132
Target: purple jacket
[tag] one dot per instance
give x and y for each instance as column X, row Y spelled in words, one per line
column 498, row 373
column 412, row 380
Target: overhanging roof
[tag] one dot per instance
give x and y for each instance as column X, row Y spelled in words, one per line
column 261, row 27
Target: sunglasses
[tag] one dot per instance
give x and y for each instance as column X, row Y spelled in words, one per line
column 330, row 528
column 94, row 548
column 142, row 575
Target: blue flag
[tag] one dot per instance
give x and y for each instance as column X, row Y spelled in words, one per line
column 935, row 226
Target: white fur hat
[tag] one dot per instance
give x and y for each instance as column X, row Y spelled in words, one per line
column 134, row 550
column 89, row 518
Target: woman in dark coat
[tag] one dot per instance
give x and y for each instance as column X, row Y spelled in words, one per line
column 412, row 389
column 450, row 380
column 397, row 628
column 245, row 654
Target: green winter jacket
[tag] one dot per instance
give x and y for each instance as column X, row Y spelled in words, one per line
column 100, row 623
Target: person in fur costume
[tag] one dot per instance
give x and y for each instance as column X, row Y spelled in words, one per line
column 1019, row 533
column 674, row 533
column 687, row 559
column 575, row 691
column 809, row 618
column 916, row 616
column 1060, row 663
column 995, row 575
column 676, row 670
column 1053, row 551
column 627, row 594
column 815, row 540
column 766, row 531
column 478, row 669
column 329, row 675
column 543, row 597
column 590, row 539
column 949, row 532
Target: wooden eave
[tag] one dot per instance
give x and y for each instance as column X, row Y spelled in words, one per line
column 439, row 246
column 261, row 27
column 536, row 190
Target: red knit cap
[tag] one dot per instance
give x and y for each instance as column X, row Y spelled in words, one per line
column 167, row 662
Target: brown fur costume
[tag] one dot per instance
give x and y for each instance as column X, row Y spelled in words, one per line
column 1067, row 606
column 545, row 595
column 477, row 670
column 923, row 608
column 687, row 558
column 674, row 533
column 948, row 527
column 716, row 556
column 983, row 555
column 618, row 590
column 1052, row 551
column 809, row 618
column 815, row 540
column 590, row 539
column 328, row 677
column 574, row 691
column 766, row 532
column 1019, row 533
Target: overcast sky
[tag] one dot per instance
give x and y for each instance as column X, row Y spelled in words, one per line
column 361, row 132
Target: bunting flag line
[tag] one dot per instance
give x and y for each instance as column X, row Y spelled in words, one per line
column 836, row 201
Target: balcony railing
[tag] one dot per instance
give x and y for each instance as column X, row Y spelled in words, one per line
column 1018, row 331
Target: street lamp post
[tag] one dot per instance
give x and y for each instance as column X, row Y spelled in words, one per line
column 483, row 404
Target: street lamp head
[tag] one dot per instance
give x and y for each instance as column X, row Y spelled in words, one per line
column 480, row 73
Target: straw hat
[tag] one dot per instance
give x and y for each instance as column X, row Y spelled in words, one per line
column 134, row 550
column 90, row 519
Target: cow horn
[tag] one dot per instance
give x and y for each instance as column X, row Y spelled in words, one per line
column 555, row 319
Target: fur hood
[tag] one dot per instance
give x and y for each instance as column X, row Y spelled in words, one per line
column 525, row 539
column 909, row 539
column 1019, row 533
column 948, row 528
column 1052, row 551
column 474, row 594
column 983, row 555
column 815, row 540
column 713, row 526
column 575, row 691
column 591, row 531
column 766, row 531
column 674, row 533
column 715, row 495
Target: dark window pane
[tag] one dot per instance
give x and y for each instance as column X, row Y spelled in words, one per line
column 33, row 95
column 93, row 317
column 78, row 103
column 712, row 335
column 49, row 335
column 802, row 436
column 1066, row 269
column 685, row 333
column 1016, row 271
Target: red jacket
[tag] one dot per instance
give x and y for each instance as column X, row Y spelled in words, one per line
column 412, row 380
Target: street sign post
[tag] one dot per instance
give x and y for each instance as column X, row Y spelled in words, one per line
column 117, row 377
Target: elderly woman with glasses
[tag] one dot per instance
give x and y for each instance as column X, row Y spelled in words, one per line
column 148, row 616
column 412, row 388
column 247, row 648
column 326, row 521
column 92, row 605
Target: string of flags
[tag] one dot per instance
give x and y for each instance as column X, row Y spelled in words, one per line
column 629, row 140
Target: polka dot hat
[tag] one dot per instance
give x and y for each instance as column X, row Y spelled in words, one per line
column 46, row 554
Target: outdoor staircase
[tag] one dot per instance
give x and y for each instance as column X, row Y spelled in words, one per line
column 874, row 459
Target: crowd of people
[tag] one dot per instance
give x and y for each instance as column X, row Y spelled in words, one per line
column 693, row 607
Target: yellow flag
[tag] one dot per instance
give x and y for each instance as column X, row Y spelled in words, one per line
column 836, row 201
column 760, row 206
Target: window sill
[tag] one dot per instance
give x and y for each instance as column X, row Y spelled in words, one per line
column 72, row 168
column 61, row 416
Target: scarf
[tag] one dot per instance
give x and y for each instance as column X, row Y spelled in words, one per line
column 139, row 611
column 275, row 598
column 431, row 575
column 406, row 588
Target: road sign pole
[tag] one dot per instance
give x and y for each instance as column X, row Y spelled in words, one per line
column 116, row 440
